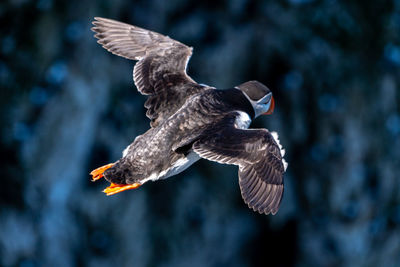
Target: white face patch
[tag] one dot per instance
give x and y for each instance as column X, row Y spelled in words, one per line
column 261, row 106
column 243, row 120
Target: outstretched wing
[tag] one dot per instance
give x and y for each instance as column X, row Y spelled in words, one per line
column 259, row 157
column 161, row 70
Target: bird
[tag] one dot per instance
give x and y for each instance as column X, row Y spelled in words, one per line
column 191, row 121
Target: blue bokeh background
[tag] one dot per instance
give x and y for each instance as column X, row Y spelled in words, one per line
column 68, row 106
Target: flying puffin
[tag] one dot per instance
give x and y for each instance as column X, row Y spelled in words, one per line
column 190, row 121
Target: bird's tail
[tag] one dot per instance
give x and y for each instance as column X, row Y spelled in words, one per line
column 113, row 188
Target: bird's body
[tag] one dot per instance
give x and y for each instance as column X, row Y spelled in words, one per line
column 190, row 121
column 167, row 150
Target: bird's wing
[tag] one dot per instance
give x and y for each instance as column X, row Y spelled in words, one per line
column 260, row 161
column 161, row 70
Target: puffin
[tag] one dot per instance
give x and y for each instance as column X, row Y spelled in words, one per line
column 191, row 121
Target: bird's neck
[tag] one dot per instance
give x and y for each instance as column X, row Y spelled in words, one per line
column 237, row 101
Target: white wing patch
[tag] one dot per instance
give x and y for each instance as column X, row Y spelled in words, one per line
column 276, row 138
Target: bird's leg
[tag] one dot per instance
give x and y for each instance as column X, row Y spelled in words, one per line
column 98, row 173
column 116, row 188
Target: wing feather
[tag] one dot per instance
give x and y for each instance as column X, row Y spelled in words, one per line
column 161, row 70
column 259, row 159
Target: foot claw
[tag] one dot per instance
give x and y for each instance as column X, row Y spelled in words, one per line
column 116, row 188
column 98, row 173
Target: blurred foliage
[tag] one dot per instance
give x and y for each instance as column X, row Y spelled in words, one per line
column 67, row 106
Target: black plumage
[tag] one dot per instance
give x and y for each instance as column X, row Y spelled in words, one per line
column 190, row 121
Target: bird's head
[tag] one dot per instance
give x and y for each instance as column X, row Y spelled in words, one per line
column 259, row 96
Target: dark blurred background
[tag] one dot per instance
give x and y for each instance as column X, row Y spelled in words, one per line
column 68, row 106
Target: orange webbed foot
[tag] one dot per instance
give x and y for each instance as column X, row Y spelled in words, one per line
column 98, row 173
column 116, row 188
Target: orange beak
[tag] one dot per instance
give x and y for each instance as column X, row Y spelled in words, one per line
column 271, row 107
